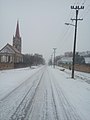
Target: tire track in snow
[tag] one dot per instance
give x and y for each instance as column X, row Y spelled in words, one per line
column 39, row 105
column 55, row 107
column 43, row 106
column 12, row 101
column 68, row 110
column 55, row 112
column 26, row 103
column 20, row 86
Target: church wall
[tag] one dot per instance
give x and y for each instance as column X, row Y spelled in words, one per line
column 4, row 66
column 18, row 58
column 6, row 58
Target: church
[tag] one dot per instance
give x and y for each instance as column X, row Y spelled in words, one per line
column 10, row 55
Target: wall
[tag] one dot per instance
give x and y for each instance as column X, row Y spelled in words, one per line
column 4, row 66
column 82, row 68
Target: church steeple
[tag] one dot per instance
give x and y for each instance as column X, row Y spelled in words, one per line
column 17, row 39
column 17, row 30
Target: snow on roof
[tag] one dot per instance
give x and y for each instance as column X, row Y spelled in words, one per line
column 9, row 49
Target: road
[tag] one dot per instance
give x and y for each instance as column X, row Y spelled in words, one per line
column 39, row 97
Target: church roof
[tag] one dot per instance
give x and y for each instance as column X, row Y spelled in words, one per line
column 15, row 50
column 9, row 49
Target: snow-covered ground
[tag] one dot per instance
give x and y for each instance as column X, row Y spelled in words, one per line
column 10, row 79
column 44, row 93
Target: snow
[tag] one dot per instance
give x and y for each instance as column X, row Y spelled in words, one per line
column 43, row 93
column 10, row 79
column 77, row 90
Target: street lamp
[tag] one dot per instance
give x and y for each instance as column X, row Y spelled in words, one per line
column 69, row 24
column 73, row 62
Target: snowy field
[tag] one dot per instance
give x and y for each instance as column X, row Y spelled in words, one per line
column 44, row 93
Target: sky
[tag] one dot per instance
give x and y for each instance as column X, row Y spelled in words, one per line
column 42, row 25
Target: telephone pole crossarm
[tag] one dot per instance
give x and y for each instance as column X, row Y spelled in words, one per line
column 75, row 19
column 77, row 7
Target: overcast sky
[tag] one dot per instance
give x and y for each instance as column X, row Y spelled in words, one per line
column 42, row 25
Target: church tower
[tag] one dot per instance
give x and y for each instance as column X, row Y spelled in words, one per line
column 17, row 39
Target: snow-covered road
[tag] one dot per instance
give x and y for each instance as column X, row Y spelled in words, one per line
column 43, row 94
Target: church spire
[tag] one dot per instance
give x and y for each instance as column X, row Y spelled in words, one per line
column 17, row 30
column 17, row 39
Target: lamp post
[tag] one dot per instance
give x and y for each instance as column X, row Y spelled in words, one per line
column 74, row 48
column 69, row 24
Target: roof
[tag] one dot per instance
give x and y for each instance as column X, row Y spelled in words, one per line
column 9, row 49
column 15, row 50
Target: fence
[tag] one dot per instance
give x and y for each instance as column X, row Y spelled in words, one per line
column 78, row 67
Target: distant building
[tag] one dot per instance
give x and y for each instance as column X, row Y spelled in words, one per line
column 68, row 54
column 65, row 60
column 84, row 54
column 87, row 60
column 11, row 54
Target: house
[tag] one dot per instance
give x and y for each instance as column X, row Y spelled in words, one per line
column 65, row 60
column 11, row 54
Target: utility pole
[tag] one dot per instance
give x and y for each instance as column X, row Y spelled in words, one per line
column 54, row 56
column 51, row 60
column 77, row 8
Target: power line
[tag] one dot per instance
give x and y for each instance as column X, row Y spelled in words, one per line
column 87, row 9
column 70, row 16
column 81, row 2
column 66, row 33
column 66, row 30
column 84, row 2
column 76, row 2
